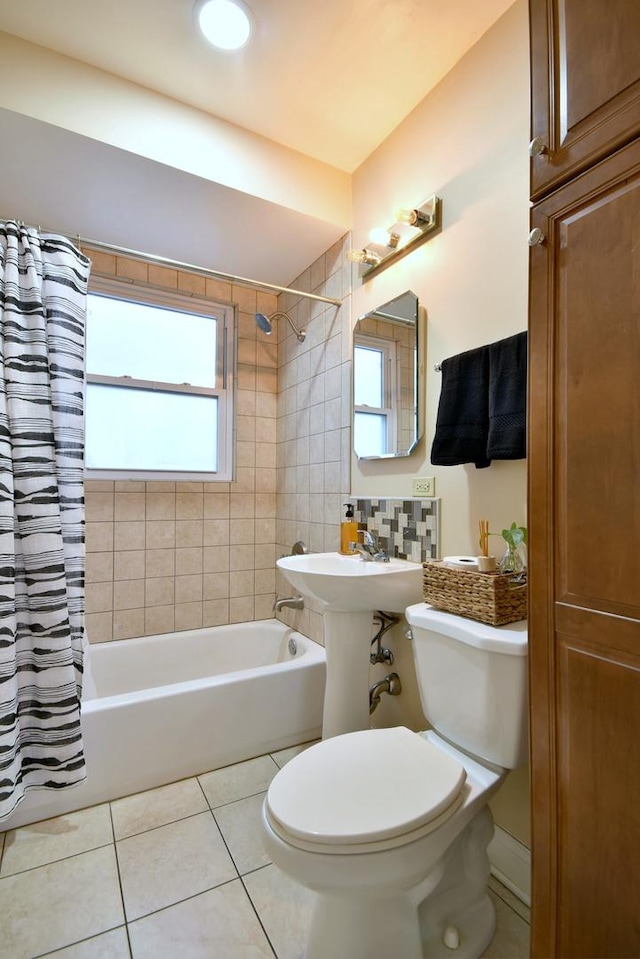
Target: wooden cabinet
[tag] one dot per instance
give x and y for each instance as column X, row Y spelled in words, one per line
column 584, row 490
column 585, row 84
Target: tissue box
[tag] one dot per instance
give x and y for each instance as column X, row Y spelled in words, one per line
column 492, row 598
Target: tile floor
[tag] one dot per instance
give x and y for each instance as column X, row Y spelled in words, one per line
column 178, row 871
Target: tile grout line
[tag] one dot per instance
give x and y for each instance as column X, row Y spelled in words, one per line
column 117, row 858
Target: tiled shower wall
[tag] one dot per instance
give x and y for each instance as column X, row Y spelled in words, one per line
column 164, row 556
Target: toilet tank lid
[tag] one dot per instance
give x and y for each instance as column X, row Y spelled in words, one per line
column 512, row 640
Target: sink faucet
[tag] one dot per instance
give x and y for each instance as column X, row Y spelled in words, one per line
column 369, row 548
column 295, row 602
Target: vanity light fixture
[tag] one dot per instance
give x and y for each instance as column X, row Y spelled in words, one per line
column 412, row 227
column 226, row 24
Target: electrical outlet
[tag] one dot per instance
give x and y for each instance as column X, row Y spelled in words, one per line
column 423, row 486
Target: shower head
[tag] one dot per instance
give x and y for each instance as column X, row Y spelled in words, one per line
column 264, row 323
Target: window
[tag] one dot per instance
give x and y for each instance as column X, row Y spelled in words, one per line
column 374, row 422
column 158, row 401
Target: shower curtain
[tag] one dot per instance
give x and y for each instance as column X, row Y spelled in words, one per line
column 43, row 282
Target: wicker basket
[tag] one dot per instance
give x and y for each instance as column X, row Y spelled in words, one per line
column 492, row 598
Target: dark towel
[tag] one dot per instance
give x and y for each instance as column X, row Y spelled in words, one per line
column 462, row 424
column 507, row 438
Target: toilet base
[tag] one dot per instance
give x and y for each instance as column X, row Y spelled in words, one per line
column 448, row 914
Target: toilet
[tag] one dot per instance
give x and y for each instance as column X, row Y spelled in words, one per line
column 390, row 827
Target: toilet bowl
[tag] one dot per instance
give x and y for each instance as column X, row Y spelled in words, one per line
column 390, row 827
column 408, row 832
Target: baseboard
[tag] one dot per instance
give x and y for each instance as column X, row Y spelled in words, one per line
column 511, row 864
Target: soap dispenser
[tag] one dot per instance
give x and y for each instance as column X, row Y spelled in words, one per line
column 348, row 532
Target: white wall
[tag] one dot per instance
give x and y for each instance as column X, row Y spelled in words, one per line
column 467, row 142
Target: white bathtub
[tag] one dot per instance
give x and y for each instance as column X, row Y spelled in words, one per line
column 161, row 708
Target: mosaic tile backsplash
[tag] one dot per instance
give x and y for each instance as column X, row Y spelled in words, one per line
column 406, row 528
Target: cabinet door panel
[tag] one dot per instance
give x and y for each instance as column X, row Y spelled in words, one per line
column 586, row 84
column 584, row 525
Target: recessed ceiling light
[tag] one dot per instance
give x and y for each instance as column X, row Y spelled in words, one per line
column 225, row 23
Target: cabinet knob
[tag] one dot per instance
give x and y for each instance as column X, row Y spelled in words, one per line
column 536, row 236
column 537, row 147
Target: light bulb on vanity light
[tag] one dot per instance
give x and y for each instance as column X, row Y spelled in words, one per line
column 364, row 256
column 382, row 237
column 413, row 217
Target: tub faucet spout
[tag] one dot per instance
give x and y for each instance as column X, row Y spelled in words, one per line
column 295, row 602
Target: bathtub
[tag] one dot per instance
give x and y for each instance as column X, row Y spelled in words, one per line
column 161, row 708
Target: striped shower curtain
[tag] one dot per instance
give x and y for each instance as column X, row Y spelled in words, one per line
column 43, row 281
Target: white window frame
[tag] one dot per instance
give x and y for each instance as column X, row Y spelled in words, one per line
column 387, row 347
column 224, row 391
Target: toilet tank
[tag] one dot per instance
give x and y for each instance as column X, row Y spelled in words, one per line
column 473, row 682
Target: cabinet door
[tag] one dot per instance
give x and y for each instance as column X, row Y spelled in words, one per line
column 584, row 523
column 585, row 69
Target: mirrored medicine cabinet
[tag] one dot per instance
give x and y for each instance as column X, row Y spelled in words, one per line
column 386, row 417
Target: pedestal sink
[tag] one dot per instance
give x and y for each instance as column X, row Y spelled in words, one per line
column 350, row 590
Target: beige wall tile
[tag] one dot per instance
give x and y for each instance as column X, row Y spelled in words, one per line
column 162, row 276
column 129, row 564
column 216, row 532
column 242, row 531
column 263, row 608
column 265, row 556
column 215, row 612
column 98, row 506
column 215, row 586
column 245, row 298
column 191, row 283
column 159, row 591
column 129, row 506
column 98, row 597
column 128, row 594
column 160, row 562
column 215, row 559
column 190, row 505
column 99, row 537
column 188, row 560
column 159, row 619
column 265, row 581
column 99, row 627
column 241, row 609
column 130, row 486
column 242, row 506
column 131, row 269
column 128, row 623
column 265, row 505
column 189, row 532
column 245, row 480
column 218, row 290
column 187, row 486
column 188, row 616
column 160, row 505
column 99, row 567
column 265, row 531
column 129, row 535
column 188, row 589
column 160, row 534
column 216, row 507
column 241, row 557
column 242, row 583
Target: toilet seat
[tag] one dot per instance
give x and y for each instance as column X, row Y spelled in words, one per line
column 363, row 788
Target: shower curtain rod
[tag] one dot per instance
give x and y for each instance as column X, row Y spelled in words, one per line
column 185, row 267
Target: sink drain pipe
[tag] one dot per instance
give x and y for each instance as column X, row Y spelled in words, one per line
column 390, row 684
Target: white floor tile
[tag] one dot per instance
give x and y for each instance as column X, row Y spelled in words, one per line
column 219, row 923
column 239, row 781
column 59, row 904
column 171, row 863
column 157, row 807
column 240, row 825
column 283, row 756
column 284, row 908
column 511, row 940
column 55, row 839
column 110, row 945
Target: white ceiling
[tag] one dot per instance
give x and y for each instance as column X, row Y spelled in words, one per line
column 328, row 78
